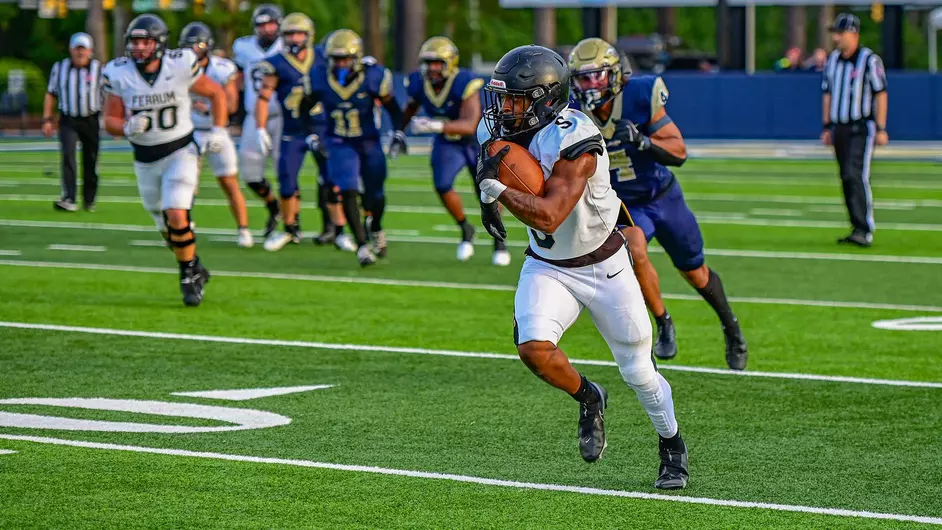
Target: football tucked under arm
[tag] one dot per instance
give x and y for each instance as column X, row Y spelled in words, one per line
column 562, row 191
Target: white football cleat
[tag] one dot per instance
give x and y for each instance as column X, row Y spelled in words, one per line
column 365, row 256
column 501, row 258
column 277, row 241
column 345, row 243
column 245, row 239
column 465, row 250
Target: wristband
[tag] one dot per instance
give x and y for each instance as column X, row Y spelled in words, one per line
column 826, row 126
column 491, row 188
column 47, row 119
column 881, row 128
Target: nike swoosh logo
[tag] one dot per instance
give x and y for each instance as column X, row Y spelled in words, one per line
column 610, row 276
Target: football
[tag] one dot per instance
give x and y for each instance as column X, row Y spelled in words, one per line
column 519, row 169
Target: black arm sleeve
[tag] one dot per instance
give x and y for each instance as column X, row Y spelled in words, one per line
column 395, row 114
column 661, row 155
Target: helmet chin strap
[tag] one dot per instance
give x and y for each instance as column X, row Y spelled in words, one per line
column 266, row 42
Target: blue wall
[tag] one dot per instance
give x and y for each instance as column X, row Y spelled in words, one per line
column 786, row 106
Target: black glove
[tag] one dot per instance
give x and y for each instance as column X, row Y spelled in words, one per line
column 627, row 134
column 397, row 146
column 488, row 167
column 490, row 218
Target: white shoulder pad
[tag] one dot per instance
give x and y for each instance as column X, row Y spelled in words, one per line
column 571, row 129
column 113, row 75
column 241, row 52
column 223, row 70
column 483, row 134
column 184, row 63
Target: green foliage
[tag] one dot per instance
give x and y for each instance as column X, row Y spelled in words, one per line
column 35, row 81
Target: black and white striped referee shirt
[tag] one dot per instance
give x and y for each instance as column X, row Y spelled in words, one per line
column 852, row 83
column 77, row 89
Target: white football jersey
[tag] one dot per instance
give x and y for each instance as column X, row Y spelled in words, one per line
column 594, row 217
column 247, row 53
column 220, row 70
column 166, row 101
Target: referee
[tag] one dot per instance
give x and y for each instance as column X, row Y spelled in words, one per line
column 854, row 115
column 74, row 83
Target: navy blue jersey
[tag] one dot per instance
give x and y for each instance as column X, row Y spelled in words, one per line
column 636, row 176
column 319, row 118
column 349, row 108
column 444, row 104
column 292, row 77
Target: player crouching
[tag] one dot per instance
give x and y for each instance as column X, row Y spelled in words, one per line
column 148, row 101
column 643, row 143
column 220, row 150
column 450, row 97
column 577, row 257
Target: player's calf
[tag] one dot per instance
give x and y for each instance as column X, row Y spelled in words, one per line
column 708, row 284
column 230, row 187
column 263, row 190
column 182, row 240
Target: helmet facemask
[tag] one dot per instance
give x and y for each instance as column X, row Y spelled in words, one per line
column 512, row 114
column 433, row 70
column 344, row 68
column 143, row 50
column 293, row 44
column 594, row 87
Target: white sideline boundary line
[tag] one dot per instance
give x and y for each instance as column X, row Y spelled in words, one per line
column 582, row 490
column 7, row 452
column 77, row 248
column 453, row 285
column 453, row 353
column 410, row 236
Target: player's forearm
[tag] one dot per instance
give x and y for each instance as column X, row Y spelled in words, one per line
column 536, row 212
column 49, row 105
column 411, row 110
column 220, row 109
column 395, row 113
column 880, row 103
column 114, row 125
column 461, row 127
column 261, row 111
column 670, row 150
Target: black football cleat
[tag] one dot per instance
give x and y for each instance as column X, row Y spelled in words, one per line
column 672, row 474
column 191, row 285
column 272, row 224
column 861, row 239
column 665, row 347
column 592, row 442
column 326, row 237
column 737, row 352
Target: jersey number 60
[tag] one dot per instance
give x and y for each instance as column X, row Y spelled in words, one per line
column 166, row 117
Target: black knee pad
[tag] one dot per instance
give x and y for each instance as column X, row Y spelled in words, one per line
column 261, row 188
column 187, row 230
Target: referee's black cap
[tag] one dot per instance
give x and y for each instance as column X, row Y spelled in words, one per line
column 845, row 22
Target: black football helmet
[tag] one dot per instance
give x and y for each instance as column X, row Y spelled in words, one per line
column 151, row 27
column 197, row 36
column 528, row 90
column 264, row 14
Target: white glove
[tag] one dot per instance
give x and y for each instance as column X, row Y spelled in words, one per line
column 423, row 125
column 216, row 139
column 136, row 125
column 264, row 140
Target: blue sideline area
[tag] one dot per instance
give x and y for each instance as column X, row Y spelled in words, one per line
column 785, row 106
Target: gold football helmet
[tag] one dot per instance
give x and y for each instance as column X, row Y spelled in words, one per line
column 439, row 49
column 297, row 23
column 599, row 72
column 344, row 43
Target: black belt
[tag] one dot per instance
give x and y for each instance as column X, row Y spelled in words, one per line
column 152, row 153
column 855, row 127
column 616, row 240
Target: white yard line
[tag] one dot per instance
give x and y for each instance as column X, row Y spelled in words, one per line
column 7, row 452
column 721, row 218
column 10, row 253
column 776, row 212
column 77, row 248
column 581, row 490
column 148, row 243
column 453, row 285
column 802, row 181
column 454, row 353
column 408, row 238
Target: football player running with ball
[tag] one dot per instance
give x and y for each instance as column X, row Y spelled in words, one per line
column 148, row 101
column 222, row 156
column 577, row 257
column 450, row 96
column 643, row 142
